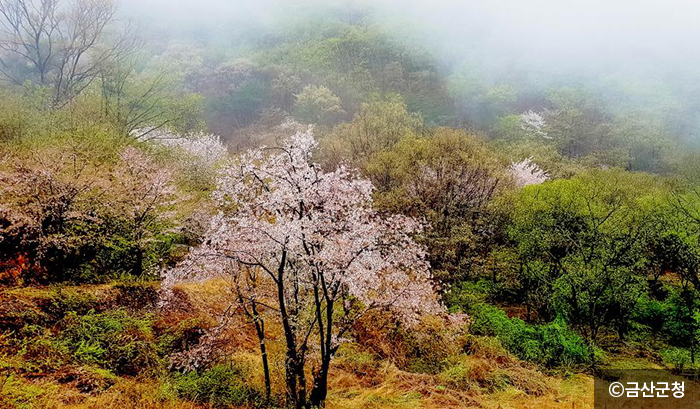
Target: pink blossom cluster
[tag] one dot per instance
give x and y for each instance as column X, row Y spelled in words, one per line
column 143, row 185
column 308, row 230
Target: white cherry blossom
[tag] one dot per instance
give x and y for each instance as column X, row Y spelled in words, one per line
column 533, row 123
column 526, row 172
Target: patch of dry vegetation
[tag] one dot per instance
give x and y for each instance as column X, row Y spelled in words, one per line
column 383, row 366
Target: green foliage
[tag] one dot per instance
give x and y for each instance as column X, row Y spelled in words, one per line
column 115, row 340
column 70, row 300
column 358, row 61
column 500, row 99
column 246, row 102
column 447, row 177
column 43, row 354
column 652, row 313
column 376, row 128
column 221, row 386
column 580, row 127
column 683, row 319
column 138, row 102
column 17, row 393
column 458, row 375
column 318, row 105
column 15, row 118
column 427, row 346
column 474, row 374
column 467, row 295
column 582, row 243
column 552, row 344
column 677, row 358
column 352, row 357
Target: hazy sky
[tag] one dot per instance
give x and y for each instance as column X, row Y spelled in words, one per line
column 586, row 33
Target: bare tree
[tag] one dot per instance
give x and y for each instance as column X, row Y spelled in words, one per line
column 29, row 31
column 64, row 45
column 133, row 104
column 142, row 104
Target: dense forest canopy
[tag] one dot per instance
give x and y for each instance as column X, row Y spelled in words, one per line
column 345, row 204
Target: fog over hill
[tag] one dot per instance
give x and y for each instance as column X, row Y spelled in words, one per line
column 572, row 34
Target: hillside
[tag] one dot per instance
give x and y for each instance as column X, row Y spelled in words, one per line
column 333, row 207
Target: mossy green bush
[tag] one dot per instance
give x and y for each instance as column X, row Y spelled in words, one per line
column 677, row 358
column 18, row 393
column 221, row 386
column 651, row 314
column 552, row 344
column 458, row 374
column 428, row 345
column 116, row 340
column 43, row 354
column 467, row 294
column 63, row 300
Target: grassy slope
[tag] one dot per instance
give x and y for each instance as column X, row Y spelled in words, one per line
column 485, row 377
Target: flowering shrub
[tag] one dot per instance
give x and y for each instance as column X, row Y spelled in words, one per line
column 526, row 173
column 45, row 204
column 77, row 219
column 534, row 124
column 202, row 150
column 311, row 242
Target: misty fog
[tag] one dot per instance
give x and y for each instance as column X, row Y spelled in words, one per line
column 574, row 35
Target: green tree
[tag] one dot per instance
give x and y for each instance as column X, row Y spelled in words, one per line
column 582, row 246
column 448, row 177
column 580, row 125
column 683, row 324
column 139, row 103
column 377, row 127
column 318, row 105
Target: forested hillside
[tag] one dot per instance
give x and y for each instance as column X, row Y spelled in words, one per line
column 331, row 207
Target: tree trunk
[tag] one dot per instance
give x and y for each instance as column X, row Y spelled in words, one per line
column 692, row 352
column 593, row 333
column 266, row 370
column 260, row 330
column 138, row 263
column 293, row 363
column 319, row 392
column 622, row 328
column 291, row 380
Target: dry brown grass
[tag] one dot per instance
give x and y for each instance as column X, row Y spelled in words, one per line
column 476, row 380
column 371, row 373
